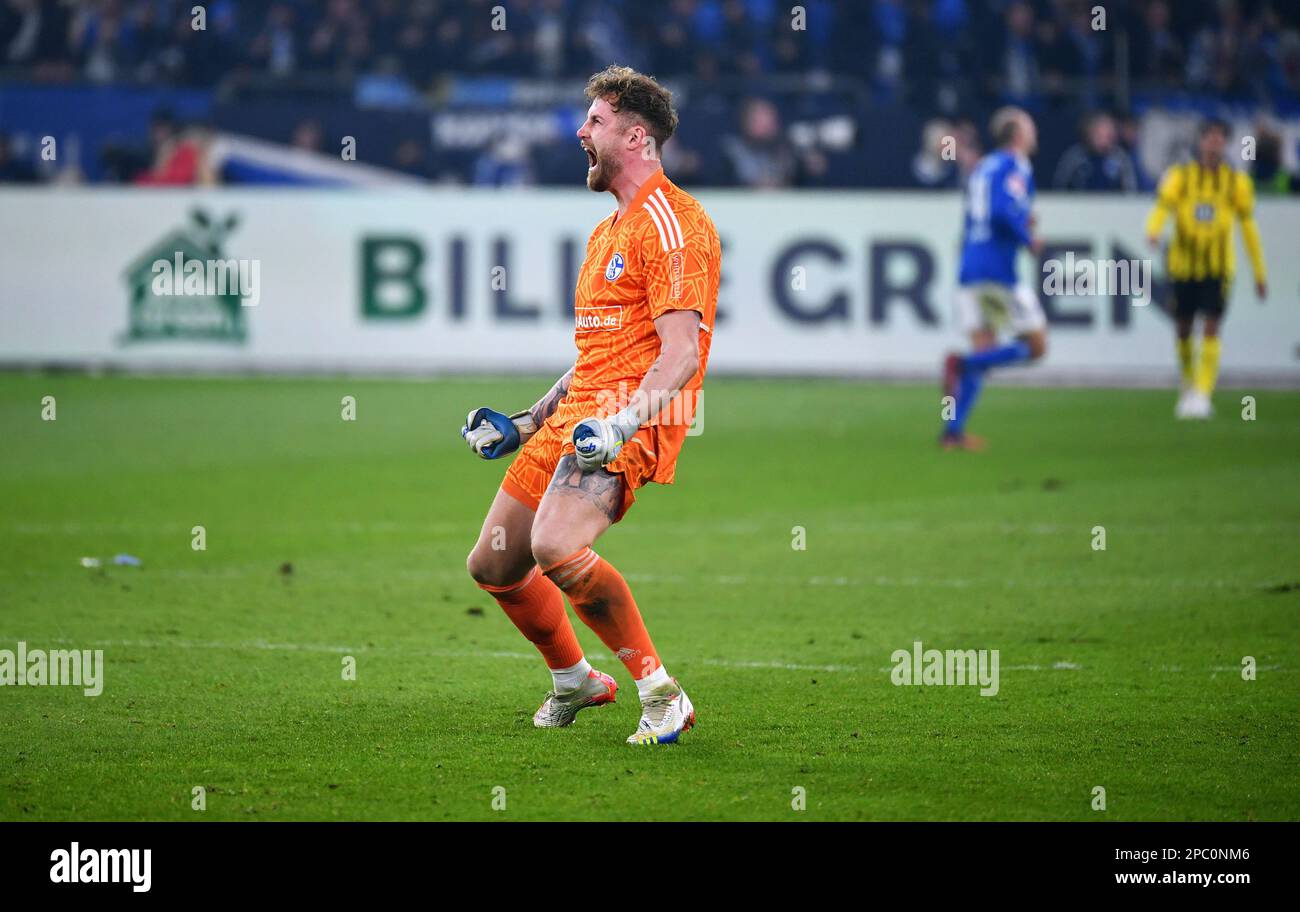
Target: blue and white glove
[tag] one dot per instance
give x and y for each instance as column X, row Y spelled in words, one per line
column 491, row 434
column 597, row 441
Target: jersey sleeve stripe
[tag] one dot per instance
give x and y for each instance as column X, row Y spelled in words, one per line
column 654, row 217
column 661, row 222
column 653, row 205
column 672, row 216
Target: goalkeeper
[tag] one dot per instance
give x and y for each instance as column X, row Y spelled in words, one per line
column 644, row 308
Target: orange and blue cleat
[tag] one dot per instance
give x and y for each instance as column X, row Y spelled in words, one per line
column 666, row 714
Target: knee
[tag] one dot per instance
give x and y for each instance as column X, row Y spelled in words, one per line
column 479, row 567
column 489, row 568
column 551, row 547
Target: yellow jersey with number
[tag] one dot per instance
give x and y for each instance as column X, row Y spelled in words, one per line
column 1204, row 203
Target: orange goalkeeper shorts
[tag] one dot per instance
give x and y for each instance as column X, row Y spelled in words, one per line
column 530, row 474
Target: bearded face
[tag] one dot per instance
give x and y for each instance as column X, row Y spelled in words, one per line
column 602, row 168
column 600, row 138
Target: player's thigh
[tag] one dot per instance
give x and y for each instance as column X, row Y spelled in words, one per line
column 970, row 317
column 503, row 553
column 1214, row 306
column 1187, row 303
column 576, row 510
column 985, row 307
column 1026, row 313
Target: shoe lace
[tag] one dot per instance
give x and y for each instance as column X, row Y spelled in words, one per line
column 557, row 701
column 655, row 708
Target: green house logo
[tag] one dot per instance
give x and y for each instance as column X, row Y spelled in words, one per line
column 183, row 288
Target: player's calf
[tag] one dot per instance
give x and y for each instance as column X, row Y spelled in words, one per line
column 502, row 565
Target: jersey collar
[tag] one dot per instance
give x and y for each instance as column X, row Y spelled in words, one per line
column 652, row 183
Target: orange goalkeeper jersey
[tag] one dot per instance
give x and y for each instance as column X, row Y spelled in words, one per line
column 662, row 255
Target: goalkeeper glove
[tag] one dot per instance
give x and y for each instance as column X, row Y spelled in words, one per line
column 597, row 441
column 491, row 434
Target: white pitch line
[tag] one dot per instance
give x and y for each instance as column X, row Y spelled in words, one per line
column 785, row 666
column 264, row 645
column 774, row 527
column 1055, row 666
column 894, row 582
column 327, row 572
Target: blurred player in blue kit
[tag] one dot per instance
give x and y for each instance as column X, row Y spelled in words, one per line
column 991, row 304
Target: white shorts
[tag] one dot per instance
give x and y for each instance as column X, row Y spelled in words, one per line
column 1000, row 308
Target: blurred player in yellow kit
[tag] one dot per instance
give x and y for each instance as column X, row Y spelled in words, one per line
column 1205, row 196
column 644, row 310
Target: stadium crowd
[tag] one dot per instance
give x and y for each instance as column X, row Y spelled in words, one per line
column 1017, row 47
column 945, row 61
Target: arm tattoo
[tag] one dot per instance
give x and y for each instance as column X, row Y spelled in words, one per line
column 602, row 488
column 656, row 394
column 546, row 406
column 661, row 384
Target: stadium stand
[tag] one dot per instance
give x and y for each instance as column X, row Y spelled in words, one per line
column 439, row 92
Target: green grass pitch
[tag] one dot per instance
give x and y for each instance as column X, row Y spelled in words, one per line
column 1119, row 668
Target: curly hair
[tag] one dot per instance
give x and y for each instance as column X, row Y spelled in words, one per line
column 630, row 92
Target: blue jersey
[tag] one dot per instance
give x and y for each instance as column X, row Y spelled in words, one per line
column 999, row 194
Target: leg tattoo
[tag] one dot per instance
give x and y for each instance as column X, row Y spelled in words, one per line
column 601, row 487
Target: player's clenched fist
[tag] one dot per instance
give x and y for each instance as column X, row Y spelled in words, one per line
column 596, row 442
column 491, row 434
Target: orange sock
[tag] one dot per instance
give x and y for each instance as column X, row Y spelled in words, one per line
column 537, row 609
column 600, row 595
